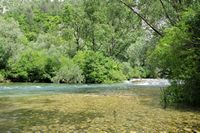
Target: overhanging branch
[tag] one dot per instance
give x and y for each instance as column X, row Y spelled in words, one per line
column 140, row 16
column 166, row 14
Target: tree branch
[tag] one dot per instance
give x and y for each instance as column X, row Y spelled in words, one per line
column 140, row 16
column 166, row 14
column 173, row 4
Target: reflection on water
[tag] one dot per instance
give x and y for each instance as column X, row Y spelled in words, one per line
column 90, row 108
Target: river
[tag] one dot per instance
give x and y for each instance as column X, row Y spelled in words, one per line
column 132, row 106
column 22, row 89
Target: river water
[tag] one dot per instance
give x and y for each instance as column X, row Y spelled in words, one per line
column 131, row 106
column 20, row 89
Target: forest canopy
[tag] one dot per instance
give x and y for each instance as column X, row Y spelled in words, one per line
column 103, row 41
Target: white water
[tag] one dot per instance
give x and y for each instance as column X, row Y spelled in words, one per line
column 149, row 82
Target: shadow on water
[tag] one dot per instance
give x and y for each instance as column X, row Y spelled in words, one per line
column 20, row 119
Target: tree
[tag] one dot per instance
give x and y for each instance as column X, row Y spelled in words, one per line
column 135, row 11
column 54, row 44
column 158, row 14
column 177, row 55
column 12, row 40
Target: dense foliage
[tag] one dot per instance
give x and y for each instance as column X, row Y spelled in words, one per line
column 95, row 41
column 177, row 55
column 69, row 42
column 97, row 68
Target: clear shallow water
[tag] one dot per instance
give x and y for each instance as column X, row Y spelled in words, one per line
column 22, row 89
column 111, row 108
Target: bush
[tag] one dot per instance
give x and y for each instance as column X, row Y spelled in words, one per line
column 186, row 93
column 38, row 66
column 2, row 78
column 97, row 68
column 127, row 70
column 68, row 73
column 29, row 66
column 139, row 72
column 171, row 95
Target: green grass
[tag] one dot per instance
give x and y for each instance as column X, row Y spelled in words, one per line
column 126, row 111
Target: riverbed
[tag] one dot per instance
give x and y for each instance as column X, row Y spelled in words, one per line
column 111, row 108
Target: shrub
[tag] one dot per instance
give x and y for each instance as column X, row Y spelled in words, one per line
column 29, row 66
column 2, row 78
column 139, row 72
column 97, row 68
column 127, row 70
column 38, row 66
column 68, row 73
column 186, row 93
